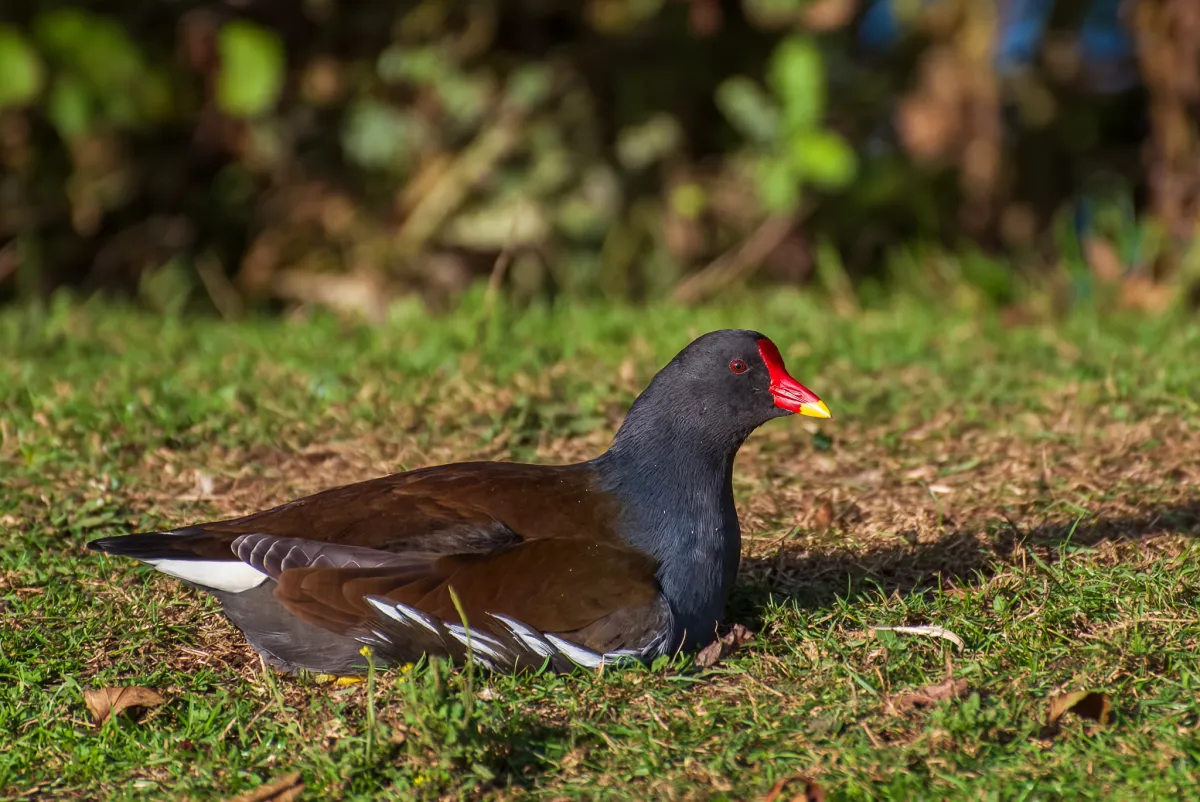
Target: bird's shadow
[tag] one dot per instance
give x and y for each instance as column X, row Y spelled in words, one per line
column 815, row 580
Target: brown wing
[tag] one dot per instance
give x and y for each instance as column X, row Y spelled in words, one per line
column 556, row 585
column 536, row 543
column 448, row 509
column 445, row 509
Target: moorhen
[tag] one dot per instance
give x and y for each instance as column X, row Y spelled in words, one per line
column 630, row 555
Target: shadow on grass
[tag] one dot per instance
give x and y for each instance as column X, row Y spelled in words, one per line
column 515, row 755
column 816, row 580
column 448, row 746
column 480, row 759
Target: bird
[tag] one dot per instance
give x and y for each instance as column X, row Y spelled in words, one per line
column 626, row 557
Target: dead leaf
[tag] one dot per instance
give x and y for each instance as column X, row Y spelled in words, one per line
column 930, row 695
column 334, row 731
column 710, row 654
column 723, row 646
column 283, row 789
column 106, row 702
column 823, row 515
column 931, row 631
column 812, row 791
column 1085, row 704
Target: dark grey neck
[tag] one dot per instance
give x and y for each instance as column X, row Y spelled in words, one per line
column 676, row 491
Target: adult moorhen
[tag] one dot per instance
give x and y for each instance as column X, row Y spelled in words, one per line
column 630, row 555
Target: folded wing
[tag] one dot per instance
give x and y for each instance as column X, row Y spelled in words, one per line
column 527, row 553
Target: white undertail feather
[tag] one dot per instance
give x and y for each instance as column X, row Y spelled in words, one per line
column 232, row 576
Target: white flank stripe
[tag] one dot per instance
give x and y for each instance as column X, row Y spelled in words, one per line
column 622, row 657
column 415, row 616
column 228, row 575
column 387, row 609
column 476, row 641
column 528, row 638
column 403, row 614
column 574, row 652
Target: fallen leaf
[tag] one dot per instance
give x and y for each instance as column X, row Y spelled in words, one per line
column 723, row 646
column 812, row 791
column 930, row 695
column 106, row 702
column 828, row 724
column 1085, row 704
column 738, row 634
column 334, row 731
column 931, row 631
column 823, row 515
column 709, row 655
column 283, row 789
column 920, row 473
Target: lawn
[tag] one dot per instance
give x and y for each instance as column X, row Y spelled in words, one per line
column 1031, row 489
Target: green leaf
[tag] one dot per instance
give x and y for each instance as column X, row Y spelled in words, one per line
column 110, row 59
column 155, row 96
column 104, row 61
column 423, row 66
column 62, row 33
column 778, row 186
column 252, row 69
column 94, row 46
column 69, row 107
column 639, row 146
column 529, row 85
column 464, row 98
column 688, row 200
column 748, row 109
column 21, row 73
column 381, row 136
column 797, row 77
column 823, row 158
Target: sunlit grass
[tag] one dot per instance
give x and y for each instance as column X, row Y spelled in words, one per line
column 1031, row 489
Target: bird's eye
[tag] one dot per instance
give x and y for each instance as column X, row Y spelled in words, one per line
column 737, row 366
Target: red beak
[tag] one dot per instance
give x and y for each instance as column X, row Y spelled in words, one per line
column 789, row 394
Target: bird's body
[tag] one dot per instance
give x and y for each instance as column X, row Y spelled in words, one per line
column 630, row 555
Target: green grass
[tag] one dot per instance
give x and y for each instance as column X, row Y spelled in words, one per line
column 1033, row 490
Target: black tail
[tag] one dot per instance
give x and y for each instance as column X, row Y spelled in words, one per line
column 189, row 543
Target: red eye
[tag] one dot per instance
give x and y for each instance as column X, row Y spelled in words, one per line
column 737, row 366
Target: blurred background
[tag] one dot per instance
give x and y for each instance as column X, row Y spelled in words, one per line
column 240, row 156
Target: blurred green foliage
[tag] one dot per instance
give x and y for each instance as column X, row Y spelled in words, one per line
column 231, row 155
column 252, row 69
column 787, row 126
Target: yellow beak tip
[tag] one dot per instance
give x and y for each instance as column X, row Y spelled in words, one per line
column 817, row 409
